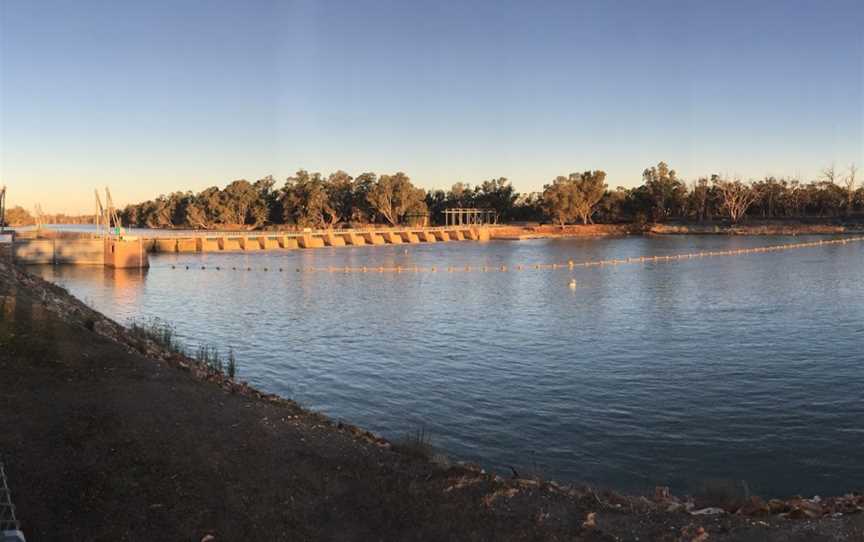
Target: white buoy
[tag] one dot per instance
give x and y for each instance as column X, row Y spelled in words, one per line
column 572, row 284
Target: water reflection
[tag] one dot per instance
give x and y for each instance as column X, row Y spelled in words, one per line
column 657, row 373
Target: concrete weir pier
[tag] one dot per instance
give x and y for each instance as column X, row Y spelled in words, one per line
column 132, row 252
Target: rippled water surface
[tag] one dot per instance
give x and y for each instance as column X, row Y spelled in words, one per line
column 736, row 368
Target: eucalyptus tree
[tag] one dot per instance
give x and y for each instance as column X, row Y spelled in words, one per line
column 735, row 197
column 242, row 203
column 667, row 193
column 574, row 197
column 19, row 216
column 498, row 195
column 339, row 188
column 393, row 197
column 460, row 195
column 559, row 200
column 699, row 200
column 305, row 201
column 849, row 183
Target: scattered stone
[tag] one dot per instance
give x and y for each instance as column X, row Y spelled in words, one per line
column 776, row 506
column 590, row 521
column 755, row 506
column 675, row 507
column 662, row 494
column 710, row 511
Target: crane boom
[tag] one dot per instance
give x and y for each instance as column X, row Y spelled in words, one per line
column 107, row 217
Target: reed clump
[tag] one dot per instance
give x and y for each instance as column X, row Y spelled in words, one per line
column 164, row 334
column 416, row 444
column 160, row 332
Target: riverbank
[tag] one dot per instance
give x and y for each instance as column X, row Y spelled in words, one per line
column 753, row 227
column 109, row 437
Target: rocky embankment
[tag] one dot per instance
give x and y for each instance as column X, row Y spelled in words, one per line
column 109, row 437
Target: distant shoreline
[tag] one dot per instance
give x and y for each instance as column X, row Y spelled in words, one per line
column 757, row 228
column 518, row 231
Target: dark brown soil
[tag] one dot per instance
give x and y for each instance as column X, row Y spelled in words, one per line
column 102, row 442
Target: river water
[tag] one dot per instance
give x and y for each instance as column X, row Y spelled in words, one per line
column 745, row 368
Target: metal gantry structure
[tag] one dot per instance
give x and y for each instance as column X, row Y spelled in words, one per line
column 2, row 209
column 470, row 216
column 40, row 216
column 107, row 219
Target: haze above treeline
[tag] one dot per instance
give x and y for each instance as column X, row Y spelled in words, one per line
column 337, row 200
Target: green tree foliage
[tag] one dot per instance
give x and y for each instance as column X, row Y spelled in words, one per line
column 666, row 192
column 305, row 201
column 19, row 216
column 393, row 197
column 239, row 204
column 574, row 197
column 314, row 200
column 496, row 194
column 735, row 197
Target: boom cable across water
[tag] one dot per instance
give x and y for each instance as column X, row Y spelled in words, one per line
column 568, row 265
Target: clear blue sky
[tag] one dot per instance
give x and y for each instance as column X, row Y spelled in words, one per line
column 149, row 97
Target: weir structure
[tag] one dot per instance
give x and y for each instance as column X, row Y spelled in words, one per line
column 111, row 247
column 257, row 241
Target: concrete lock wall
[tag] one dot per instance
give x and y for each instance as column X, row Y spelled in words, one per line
column 166, row 245
column 125, row 253
column 61, row 251
column 33, row 251
column 79, row 251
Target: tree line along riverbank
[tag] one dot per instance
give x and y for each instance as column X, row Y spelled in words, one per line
column 315, row 200
column 109, row 436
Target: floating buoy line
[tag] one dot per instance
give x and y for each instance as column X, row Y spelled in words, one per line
column 568, row 265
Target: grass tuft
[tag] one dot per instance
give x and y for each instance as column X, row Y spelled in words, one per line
column 158, row 331
column 165, row 335
column 232, row 364
column 416, row 444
